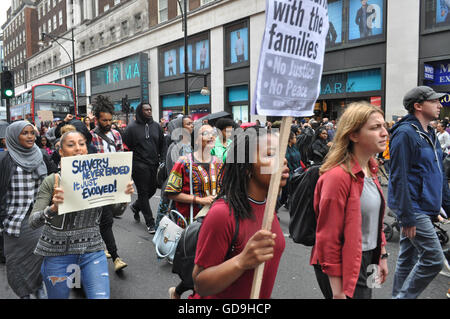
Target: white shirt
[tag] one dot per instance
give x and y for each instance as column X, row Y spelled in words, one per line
column 444, row 140
column 108, row 147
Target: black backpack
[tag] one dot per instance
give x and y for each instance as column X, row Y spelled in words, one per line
column 302, row 222
column 183, row 261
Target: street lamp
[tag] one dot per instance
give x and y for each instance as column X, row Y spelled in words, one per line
column 186, row 77
column 205, row 90
column 41, row 43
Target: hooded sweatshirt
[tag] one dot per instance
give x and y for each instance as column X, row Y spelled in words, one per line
column 176, row 148
column 417, row 182
column 145, row 138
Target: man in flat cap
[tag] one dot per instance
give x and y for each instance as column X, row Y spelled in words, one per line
column 418, row 189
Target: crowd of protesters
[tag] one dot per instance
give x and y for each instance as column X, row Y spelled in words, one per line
column 220, row 164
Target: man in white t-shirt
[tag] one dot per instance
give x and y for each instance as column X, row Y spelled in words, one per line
column 239, row 48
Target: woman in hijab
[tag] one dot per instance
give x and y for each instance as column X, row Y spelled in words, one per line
column 23, row 170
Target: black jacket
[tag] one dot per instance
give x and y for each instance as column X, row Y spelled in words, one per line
column 145, row 138
column 319, row 149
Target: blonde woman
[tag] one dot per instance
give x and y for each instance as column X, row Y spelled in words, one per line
column 349, row 206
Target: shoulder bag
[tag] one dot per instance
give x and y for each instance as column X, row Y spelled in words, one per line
column 169, row 232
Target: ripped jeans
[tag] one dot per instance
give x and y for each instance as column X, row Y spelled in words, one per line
column 90, row 271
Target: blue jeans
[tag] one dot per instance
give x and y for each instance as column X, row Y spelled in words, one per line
column 420, row 259
column 90, row 270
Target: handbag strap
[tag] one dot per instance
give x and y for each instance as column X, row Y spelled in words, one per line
column 103, row 136
column 191, row 209
column 234, row 240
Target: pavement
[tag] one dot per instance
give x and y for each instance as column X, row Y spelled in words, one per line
column 146, row 277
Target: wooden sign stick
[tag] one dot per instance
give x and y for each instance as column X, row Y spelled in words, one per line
column 272, row 197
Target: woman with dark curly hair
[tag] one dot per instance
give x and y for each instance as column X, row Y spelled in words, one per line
column 245, row 185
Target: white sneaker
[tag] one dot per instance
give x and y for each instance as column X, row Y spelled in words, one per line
column 446, row 270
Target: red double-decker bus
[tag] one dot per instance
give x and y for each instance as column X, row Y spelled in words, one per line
column 58, row 98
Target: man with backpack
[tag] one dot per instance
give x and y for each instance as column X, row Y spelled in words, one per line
column 418, row 189
column 107, row 140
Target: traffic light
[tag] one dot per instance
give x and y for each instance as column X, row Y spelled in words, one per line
column 125, row 105
column 7, row 82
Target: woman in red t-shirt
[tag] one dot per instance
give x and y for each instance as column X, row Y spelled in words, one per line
column 243, row 195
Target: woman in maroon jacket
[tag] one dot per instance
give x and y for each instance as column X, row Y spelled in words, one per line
column 349, row 206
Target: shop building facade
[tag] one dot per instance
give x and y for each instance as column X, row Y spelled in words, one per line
column 376, row 51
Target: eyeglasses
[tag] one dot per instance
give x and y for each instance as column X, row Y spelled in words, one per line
column 208, row 133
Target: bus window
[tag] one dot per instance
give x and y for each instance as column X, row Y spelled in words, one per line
column 53, row 93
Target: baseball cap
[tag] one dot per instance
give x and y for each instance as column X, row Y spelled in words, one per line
column 420, row 94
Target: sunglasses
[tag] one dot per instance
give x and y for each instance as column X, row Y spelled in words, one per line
column 208, row 133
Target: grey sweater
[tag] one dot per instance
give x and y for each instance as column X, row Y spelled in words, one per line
column 73, row 233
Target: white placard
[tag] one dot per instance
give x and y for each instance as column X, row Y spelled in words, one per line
column 291, row 58
column 95, row 180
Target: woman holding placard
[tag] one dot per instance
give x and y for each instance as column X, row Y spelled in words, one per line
column 349, row 255
column 221, row 272
column 71, row 243
column 22, row 170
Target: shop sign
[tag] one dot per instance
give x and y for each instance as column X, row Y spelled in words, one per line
column 442, row 76
column 120, row 74
column 351, row 82
column 445, row 101
column 429, row 72
column 65, row 71
column 375, row 100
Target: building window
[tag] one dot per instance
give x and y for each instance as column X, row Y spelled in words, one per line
column 354, row 21
column 238, row 102
column 112, row 32
column 138, row 20
column 437, row 14
column 116, row 2
column 163, row 11
column 60, row 17
column 55, row 25
column 203, row 2
column 124, row 28
column 237, row 40
column 106, row 8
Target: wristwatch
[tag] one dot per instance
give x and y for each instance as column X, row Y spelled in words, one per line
column 383, row 256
